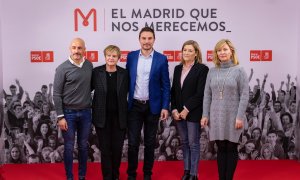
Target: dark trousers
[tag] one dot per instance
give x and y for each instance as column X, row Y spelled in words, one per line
column 111, row 139
column 138, row 116
column 227, row 159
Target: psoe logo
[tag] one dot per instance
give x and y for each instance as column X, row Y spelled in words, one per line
column 48, row 56
column 178, row 56
column 92, row 56
column 266, row 55
column 123, row 57
column 36, row 56
column 170, row 55
column 255, row 55
column 85, row 19
column 41, row 56
column 209, row 56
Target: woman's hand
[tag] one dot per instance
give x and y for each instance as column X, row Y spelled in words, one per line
column 238, row 124
column 184, row 113
column 204, row 122
column 176, row 115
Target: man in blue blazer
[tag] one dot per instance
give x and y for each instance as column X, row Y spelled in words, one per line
column 148, row 100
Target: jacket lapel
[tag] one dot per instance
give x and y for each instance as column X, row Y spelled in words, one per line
column 134, row 66
column 153, row 65
column 178, row 75
column 120, row 76
column 189, row 75
column 102, row 75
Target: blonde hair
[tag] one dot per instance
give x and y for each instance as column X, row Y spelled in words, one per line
column 218, row 46
column 198, row 58
column 269, row 147
column 111, row 48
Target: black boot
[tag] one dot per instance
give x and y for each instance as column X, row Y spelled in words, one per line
column 186, row 175
column 192, row 177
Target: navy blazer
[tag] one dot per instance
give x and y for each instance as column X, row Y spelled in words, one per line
column 191, row 93
column 159, row 82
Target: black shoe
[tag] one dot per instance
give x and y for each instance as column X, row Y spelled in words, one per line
column 186, row 175
column 82, row 178
column 116, row 177
column 131, row 178
column 147, row 177
column 193, row 177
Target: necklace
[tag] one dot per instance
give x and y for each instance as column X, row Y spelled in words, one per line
column 221, row 89
column 110, row 73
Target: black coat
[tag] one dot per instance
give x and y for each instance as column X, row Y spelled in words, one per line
column 192, row 92
column 99, row 84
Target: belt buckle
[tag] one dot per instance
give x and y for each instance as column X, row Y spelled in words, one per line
column 143, row 101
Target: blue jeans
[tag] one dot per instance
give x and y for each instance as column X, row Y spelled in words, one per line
column 189, row 133
column 80, row 121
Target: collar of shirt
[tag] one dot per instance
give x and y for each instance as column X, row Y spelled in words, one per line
column 78, row 65
column 150, row 55
column 188, row 66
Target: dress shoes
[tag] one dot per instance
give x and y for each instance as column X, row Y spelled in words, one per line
column 186, row 175
column 131, row 178
column 192, row 177
column 147, row 177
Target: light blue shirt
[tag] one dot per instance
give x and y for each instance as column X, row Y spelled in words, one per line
column 142, row 78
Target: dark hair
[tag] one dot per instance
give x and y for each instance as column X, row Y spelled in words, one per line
column 176, row 138
column 44, row 86
column 277, row 102
column 26, row 102
column 36, row 107
column 272, row 132
column 286, row 114
column 8, row 95
column 20, row 159
column 39, row 92
column 257, row 128
column 38, row 129
column 283, row 92
column 292, row 102
column 12, row 86
column 33, row 156
column 251, row 141
column 293, row 87
column 52, row 137
column 291, row 147
column 245, row 134
column 147, row 29
column 15, row 106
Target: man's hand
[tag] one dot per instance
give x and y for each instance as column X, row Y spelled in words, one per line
column 17, row 82
column 164, row 114
column 62, row 124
